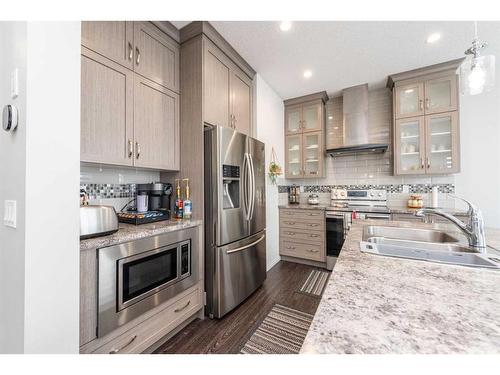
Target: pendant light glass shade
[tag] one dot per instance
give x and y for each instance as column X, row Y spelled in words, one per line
column 477, row 75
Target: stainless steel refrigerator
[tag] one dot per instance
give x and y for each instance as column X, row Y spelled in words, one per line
column 235, row 218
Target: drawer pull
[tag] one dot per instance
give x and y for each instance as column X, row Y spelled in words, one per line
column 290, row 247
column 290, row 222
column 313, row 251
column 116, row 351
column 290, row 233
column 314, row 235
column 313, row 214
column 312, row 225
column 183, row 307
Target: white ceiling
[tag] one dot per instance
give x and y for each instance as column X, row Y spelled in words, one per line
column 344, row 54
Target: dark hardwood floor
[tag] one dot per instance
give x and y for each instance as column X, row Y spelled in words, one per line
column 229, row 334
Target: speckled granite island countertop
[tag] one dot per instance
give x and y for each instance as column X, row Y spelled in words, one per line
column 129, row 232
column 377, row 304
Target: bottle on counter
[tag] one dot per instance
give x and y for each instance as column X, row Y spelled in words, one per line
column 179, row 204
column 187, row 204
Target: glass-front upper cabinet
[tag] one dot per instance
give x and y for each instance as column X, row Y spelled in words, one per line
column 311, row 117
column 441, row 94
column 442, row 143
column 293, row 119
column 410, row 146
column 313, row 158
column 409, row 100
column 293, row 150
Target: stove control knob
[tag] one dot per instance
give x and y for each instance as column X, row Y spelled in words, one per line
column 380, row 194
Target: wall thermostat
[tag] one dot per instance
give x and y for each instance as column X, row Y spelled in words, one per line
column 9, row 118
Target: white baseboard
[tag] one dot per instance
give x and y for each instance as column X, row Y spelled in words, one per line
column 272, row 263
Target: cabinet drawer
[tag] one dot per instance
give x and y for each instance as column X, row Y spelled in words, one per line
column 319, row 215
column 145, row 334
column 294, row 235
column 298, row 223
column 310, row 251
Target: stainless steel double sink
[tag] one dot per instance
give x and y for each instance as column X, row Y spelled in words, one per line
column 422, row 244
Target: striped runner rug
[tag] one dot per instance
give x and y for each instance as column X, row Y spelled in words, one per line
column 315, row 283
column 282, row 332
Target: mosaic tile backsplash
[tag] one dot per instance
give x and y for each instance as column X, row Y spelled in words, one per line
column 413, row 188
column 104, row 191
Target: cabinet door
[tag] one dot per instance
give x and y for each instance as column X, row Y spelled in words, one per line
column 409, row 100
column 106, row 110
column 312, row 144
column 156, row 126
column 112, row 39
column 217, row 73
column 293, row 119
column 156, row 55
column 409, row 150
column 241, row 102
column 442, row 143
column 312, row 117
column 441, row 95
column 293, row 152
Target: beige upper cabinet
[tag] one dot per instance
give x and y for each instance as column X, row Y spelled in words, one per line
column 156, row 125
column 441, row 94
column 227, row 91
column 129, row 100
column 426, row 120
column 409, row 100
column 217, row 88
column 106, row 110
column 113, row 39
column 304, row 140
column 156, row 56
column 241, row 102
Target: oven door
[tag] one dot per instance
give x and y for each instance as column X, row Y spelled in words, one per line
column 337, row 225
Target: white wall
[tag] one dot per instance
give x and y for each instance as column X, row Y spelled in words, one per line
column 52, row 170
column 12, row 182
column 39, row 280
column 270, row 130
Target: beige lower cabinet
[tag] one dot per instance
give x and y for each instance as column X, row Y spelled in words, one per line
column 302, row 234
column 156, row 126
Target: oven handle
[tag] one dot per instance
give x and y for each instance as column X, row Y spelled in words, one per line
column 377, row 216
column 246, row 246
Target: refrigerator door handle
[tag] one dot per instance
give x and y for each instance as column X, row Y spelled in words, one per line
column 246, row 185
column 246, row 246
column 252, row 187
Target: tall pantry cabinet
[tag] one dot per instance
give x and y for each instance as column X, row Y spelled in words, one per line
column 130, row 95
column 219, row 85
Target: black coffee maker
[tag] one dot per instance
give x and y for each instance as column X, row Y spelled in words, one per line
column 159, row 194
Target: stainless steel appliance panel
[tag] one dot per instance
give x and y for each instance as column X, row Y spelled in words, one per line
column 112, row 312
column 256, row 151
column 240, row 269
column 97, row 221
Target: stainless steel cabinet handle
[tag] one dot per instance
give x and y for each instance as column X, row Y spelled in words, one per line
column 312, row 251
column 116, row 351
column 290, row 222
column 314, row 235
column 312, row 214
column 138, row 149
column 290, row 233
column 427, row 103
column 130, row 148
column 428, row 163
column 137, row 55
column 312, row 225
column 183, row 307
column 290, row 247
column 421, row 103
column 422, row 163
column 130, row 51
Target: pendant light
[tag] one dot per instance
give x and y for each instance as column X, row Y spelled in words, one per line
column 477, row 73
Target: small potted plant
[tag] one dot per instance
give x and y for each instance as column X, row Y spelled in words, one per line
column 274, row 168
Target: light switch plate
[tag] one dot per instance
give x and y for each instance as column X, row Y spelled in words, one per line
column 14, row 83
column 10, row 214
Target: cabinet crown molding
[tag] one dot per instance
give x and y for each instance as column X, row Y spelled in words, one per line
column 448, row 66
column 307, row 98
column 197, row 28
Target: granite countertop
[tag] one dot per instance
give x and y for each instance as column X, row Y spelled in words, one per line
column 130, row 232
column 376, row 304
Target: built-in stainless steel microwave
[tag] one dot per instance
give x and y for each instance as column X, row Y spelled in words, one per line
column 136, row 276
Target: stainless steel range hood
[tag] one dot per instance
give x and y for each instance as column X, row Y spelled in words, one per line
column 356, row 125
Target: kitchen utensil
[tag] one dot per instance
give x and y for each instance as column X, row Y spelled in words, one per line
column 97, row 221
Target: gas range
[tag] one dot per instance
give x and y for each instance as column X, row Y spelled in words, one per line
column 363, row 201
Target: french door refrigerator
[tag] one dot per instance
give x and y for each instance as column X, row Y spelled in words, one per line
column 235, row 218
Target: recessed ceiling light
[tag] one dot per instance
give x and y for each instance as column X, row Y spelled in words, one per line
column 307, row 74
column 433, row 38
column 330, row 117
column 285, row 25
